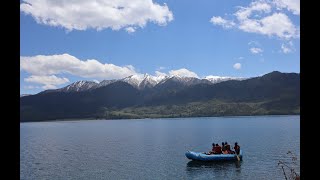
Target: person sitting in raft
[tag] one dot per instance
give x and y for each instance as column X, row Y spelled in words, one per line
column 236, row 148
column 224, row 149
column 212, row 150
column 228, row 149
column 217, row 149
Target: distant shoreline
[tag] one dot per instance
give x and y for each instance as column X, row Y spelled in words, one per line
column 92, row 119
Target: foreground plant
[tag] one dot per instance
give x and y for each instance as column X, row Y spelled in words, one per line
column 285, row 166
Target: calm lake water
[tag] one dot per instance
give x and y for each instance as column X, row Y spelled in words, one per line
column 155, row 148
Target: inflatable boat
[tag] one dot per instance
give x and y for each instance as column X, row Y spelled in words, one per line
column 199, row 156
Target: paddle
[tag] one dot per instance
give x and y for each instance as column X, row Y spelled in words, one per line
column 236, row 155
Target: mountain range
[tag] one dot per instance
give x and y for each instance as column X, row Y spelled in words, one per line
column 166, row 96
column 143, row 82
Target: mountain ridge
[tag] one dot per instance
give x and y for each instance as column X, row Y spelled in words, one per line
column 147, row 81
column 272, row 93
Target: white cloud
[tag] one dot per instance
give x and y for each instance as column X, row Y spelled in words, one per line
column 257, row 6
column 286, row 48
column 291, row 5
column 183, row 73
column 255, row 50
column 100, row 14
column 217, row 20
column 237, row 66
column 42, row 65
column 49, row 82
column 46, row 79
column 162, row 68
column 158, row 73
column 255, row 43
column 44, row 68
column 261, row 17
column 277, row 24
column 31, row 87
column 49, row 86
column 130, row 29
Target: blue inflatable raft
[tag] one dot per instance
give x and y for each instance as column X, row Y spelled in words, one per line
column 199, row 156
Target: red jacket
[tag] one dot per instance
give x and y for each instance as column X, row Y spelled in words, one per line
column 217, row 150
column 228, row 147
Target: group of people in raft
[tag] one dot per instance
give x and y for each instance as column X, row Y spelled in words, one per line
column 224, row 149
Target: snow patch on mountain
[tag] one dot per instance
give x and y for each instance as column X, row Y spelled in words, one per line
column 133, row 80
column 105, row 83
column 142, row 81
column 79, row 86
column 23, row 95
column 217, row 79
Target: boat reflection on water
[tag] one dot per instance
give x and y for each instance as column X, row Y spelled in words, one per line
column 215, row 169
column 214, row 164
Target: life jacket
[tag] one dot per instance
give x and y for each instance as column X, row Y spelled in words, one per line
column 228, row 147
column 217, row 150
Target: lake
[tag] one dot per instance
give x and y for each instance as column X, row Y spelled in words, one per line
column 155, row 148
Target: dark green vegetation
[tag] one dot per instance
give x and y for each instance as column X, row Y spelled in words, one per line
column 274, row 93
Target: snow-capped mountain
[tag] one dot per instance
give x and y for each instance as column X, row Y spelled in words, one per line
column 133, row 80
column 144, row 81
column 22, row 95
column 217, row 79
column 105, row 83
column 79, row 86
column 147, row 82
column 189, row 81
column 186, row 81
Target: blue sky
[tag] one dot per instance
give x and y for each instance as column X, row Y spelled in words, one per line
column 64, row 41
